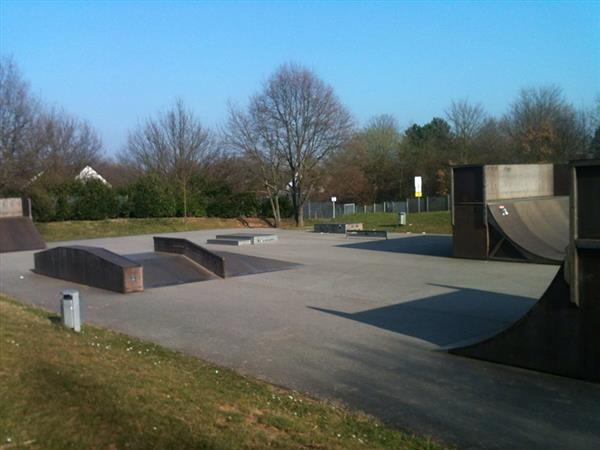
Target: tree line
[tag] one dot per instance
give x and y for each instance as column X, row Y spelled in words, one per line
column 293, row 141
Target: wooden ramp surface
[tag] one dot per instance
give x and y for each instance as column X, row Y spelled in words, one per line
column 18, row 234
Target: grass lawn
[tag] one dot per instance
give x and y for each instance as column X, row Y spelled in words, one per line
column 431, row 222
column 88, row 229
column 101, row 389
column 428, row 222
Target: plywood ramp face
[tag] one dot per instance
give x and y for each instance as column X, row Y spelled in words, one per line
column 537, row 228
column 19, row 234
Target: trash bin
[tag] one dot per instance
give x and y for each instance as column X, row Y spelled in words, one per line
column 402, row 219
column 70, row 311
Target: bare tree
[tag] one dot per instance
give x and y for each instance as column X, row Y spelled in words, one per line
column 248, row 136
column 174, row 144
column 66, row 144
column 466, row 120
column 18, row 114
column 34, row 139
column 302, row 121
column 543, row 126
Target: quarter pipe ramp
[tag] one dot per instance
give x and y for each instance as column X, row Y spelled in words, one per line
column 561, row 333
column 517, row 212
column 537, row 229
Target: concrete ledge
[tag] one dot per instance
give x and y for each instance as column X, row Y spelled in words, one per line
column 367, row 233
column 340, row 228
column 235, row 242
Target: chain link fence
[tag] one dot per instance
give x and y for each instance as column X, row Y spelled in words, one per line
column 324, row 210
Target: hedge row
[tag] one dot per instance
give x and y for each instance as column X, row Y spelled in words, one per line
column 148, row 197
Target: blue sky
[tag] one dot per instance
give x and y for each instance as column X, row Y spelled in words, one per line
column 115, row 63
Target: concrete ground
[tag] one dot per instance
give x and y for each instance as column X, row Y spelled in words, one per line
column 361, row 321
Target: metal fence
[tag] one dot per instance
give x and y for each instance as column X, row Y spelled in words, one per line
column 324, row 210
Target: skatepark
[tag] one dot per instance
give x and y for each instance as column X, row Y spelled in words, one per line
column 364, row 321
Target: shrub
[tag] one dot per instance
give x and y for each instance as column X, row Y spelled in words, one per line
column 42, row 204
column 94, row 200
column 151, row 197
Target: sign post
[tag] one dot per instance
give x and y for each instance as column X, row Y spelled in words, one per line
column 333, row 200
column 418, row 193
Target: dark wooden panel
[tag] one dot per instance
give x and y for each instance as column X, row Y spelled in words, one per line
column 468, row 184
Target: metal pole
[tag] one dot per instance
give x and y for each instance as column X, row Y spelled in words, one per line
column 419, row 204
column 333, row 203
column 427, row 203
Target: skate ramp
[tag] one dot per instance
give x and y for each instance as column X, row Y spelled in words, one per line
column 537, row 229
column 237, row 265
column 222, row 264
column 17, row 230
column 516, row 212
column 555, row 336
column 169, row 270
column 561, row 333
column 18, row 234
column 92, row 266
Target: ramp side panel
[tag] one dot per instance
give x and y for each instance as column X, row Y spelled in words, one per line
column 555, row 336
column 19, row 234
column 470, row 232
column 92, row 266
column 201, row 256
column 12, row 207
column 538, row 227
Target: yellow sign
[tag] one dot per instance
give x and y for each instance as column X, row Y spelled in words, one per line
column 418, row 194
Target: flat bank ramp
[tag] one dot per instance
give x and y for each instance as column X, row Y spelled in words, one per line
column 161, row 269
column 555, row 336
column 221, row 264
column 536, row 228
column 19, row 234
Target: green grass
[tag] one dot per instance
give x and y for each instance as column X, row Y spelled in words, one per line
column 101, row 389
column 428, row 222
column 88, row 229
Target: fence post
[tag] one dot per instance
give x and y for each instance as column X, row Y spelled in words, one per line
column 407, row 206
column 427, row 203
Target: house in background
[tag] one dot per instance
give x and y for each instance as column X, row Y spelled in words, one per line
column 88, row 173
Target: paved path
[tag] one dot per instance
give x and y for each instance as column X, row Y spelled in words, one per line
column 360, row 321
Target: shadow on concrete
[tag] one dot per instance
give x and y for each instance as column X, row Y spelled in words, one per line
column 447, row 318
column 405, row 389
column 429, row 245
